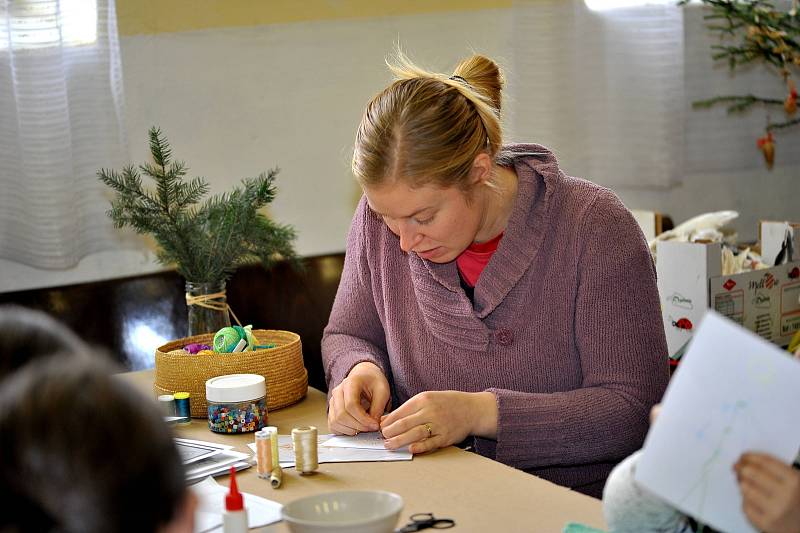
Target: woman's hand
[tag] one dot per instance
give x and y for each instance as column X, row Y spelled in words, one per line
column 654, row 412
column 435, row 419
column 358, row 402
column 770, row 493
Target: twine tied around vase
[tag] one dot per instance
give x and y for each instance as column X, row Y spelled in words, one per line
column 215, row 301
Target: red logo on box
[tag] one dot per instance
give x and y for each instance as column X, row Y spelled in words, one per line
column 769, row 280
column 729, row 284
column 683, row 323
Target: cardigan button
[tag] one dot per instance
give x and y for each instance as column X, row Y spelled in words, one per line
column 504, row 336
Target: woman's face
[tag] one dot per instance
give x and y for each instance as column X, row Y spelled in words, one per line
column 435, row 223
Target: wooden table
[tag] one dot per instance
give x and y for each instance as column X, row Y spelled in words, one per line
column 478, row 493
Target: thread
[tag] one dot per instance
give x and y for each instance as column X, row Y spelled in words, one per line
column 243, row 341
column 276, row 478
column 182, row 407
column 227, row 339
column 272, row 432
column 167, row 404
column 196, row 347
column 305, row 449
column 263, row 455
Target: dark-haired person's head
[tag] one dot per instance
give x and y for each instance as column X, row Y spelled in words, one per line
column 82, row 451
column 26, row 334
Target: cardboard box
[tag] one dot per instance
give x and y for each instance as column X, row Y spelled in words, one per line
column 690, row 280
column 651, row 222
column 772, row 235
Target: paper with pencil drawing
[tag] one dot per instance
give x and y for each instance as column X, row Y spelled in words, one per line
column 733, row 392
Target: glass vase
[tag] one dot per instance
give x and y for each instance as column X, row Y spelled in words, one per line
column 208, row 307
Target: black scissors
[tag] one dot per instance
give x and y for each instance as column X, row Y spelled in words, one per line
column 422, row 521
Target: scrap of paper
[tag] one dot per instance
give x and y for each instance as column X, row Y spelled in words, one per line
column 211, row 505
column 733, row 392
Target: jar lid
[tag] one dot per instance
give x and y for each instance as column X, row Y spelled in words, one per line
column 235, row 388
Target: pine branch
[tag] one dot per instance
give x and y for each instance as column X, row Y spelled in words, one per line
column 782, row 125
column 730, row 28
column 205, row 241
column 741, row 103
column 192, row 193
column 159, row 148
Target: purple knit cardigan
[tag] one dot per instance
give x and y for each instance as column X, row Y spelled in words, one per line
column 565, row 329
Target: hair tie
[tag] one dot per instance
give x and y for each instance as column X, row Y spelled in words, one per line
column 460, row 79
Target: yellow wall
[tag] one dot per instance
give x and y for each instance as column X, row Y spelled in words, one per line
column 140, row 17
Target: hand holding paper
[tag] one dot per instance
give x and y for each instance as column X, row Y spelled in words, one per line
column 770, row 492
column 359, row 400
column 732, row 393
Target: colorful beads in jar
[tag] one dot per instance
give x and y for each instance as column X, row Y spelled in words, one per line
column 237, row 403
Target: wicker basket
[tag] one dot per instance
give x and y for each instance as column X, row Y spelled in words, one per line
column 282, row 367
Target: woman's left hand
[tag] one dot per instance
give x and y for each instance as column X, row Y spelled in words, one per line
column 435, row 419
column 770, row 492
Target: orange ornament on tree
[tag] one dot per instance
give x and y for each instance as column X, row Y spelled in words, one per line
column 767, row 146
column 790, row 104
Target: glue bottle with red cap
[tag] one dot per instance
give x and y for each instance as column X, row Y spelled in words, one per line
column 235, row 518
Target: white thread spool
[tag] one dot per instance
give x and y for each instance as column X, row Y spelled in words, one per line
column 167, row 404
column 305, row 449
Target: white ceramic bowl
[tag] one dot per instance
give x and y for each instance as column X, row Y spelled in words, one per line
column 354, row 511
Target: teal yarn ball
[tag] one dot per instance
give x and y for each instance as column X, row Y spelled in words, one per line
column 242, row 335
column 226, row 340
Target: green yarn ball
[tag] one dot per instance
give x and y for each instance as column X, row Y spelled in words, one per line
column 242, row 334
column 226, row 340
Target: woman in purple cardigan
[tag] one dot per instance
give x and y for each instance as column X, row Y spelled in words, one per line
column 486, row 294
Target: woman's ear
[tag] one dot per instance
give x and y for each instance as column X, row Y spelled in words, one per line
column 482, row 167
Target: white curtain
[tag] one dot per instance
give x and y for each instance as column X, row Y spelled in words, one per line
column 61, row 119
column 611, row 91
column 604, row 89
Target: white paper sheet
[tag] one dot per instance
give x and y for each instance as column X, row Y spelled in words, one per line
column 366, row 441
column 211, row 505
column 205, row 443
column 733, row 392
column 336, row 454
column 205, row 521
column 191, row 452
column 217, row 464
